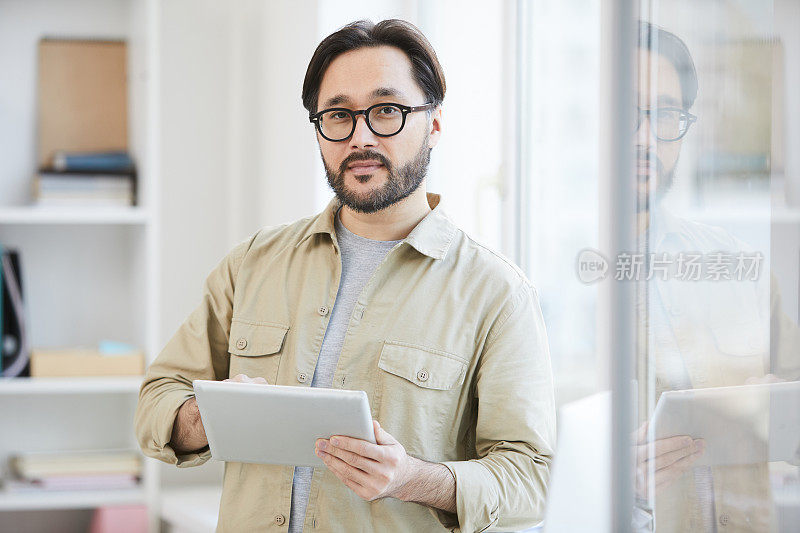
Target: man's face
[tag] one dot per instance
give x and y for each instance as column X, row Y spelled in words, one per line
column 658, row 86
column 367, row 172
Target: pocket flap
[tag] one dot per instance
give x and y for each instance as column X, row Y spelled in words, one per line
column 430, row 369
column 744, row 339
column 252, row 339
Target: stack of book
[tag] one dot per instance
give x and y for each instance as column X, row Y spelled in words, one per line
column 86, row 470
column 96, row 179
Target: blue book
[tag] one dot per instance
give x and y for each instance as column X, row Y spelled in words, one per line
column 116, row 161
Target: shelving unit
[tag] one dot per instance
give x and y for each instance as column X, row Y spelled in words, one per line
column 88, row 274
column 89, row 385
column 68, row 215
column 88, row 499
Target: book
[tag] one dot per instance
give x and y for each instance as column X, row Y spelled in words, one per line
column 14, row 350
column 84, row 189
column 82, row 482
column 109, row 161
column 41, row 465
column 2, row 290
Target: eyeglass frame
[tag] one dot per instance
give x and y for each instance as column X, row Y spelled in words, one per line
column 404, row 110
column 690, row 119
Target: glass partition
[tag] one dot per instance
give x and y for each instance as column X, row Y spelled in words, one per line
column 714, row 269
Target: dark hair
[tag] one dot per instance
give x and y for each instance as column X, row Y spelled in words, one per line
column 669, row 45
column 364, row 33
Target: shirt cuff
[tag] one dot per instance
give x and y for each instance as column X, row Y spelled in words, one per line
column 166, row 413
column 477, row 504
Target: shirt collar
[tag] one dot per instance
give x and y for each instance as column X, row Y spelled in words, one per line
column 664, row 224
column 432, row 236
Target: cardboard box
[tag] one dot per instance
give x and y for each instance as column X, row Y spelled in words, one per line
column 83, row 97
column 82, row 363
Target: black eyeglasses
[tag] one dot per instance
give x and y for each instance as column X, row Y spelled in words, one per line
column 384, row 120
column 668, row 123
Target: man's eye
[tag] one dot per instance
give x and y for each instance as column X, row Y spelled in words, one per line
column 669, row 114
column 339, row 115
column 388, row 110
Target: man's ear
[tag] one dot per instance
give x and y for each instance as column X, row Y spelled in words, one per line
column 435, row 130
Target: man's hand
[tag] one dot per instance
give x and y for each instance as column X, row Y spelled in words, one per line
column 188, row 433
column 768, row 378
column 372, row 471
column 668, row 458
column 241, row 378
column 385, row 470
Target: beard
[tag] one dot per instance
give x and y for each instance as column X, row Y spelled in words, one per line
column 400, row 182
column 647, row 199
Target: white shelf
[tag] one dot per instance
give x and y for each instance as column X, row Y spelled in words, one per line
column 94, row 385
column 73, row 215
column 78, row 499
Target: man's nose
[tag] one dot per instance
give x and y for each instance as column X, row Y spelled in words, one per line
column 362, row 135
column 645, row 135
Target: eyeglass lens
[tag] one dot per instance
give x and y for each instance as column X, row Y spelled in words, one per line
column 669, row 124
column 382, row 120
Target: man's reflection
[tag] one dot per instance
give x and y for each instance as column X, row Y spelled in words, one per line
column 692, row 334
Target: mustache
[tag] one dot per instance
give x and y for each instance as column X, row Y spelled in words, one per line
column 364, row 156
column 647, row 157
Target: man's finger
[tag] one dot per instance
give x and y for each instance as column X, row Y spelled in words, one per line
column 675, row 470
column 648, row 452
column 641, row 433
column 344, row 471
column 382, row 436
column 665, row 460
column 358, row 446
column 353, row 459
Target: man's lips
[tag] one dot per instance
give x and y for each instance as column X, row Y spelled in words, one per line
column 364, row 167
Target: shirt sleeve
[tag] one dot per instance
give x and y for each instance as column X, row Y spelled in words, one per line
column 197, row 350
column 505, row 487
column 784, row 338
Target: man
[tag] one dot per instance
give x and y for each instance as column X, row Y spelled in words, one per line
column 696, row 331
column 380, row 292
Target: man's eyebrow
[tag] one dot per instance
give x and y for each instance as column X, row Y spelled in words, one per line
column 336, row 100
column 387, row 91
column 380, row 92
column 665, row 99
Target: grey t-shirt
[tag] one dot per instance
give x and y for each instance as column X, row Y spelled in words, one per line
column 360, row 258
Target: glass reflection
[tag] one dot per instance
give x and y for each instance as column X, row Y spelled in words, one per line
column 717, row 396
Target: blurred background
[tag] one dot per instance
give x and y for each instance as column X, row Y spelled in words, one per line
column 199, row 139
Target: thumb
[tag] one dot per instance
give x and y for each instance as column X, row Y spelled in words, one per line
column 382, row 436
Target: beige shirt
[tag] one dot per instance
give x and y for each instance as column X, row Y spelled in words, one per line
column 717, row 333
column 447, row 339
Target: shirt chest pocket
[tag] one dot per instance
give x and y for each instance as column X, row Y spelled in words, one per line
column 424, row 367
column 255, row 349
column 421, row 396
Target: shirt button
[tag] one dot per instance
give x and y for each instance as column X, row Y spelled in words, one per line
column 724, row 518
column 422, row 375
column 302, row 377
column 241, row 343
column 280, row 519
column 323, row 310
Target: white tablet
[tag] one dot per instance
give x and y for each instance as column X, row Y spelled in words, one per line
column 275, row 424
column 741, row 425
